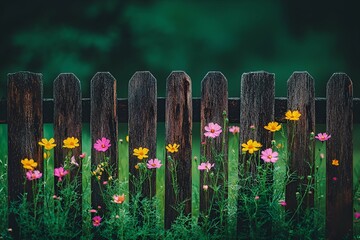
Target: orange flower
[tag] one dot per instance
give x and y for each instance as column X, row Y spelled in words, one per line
column 119, row 198
column 335, row 162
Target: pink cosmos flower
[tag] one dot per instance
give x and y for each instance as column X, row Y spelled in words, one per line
column 282, row 203
column 83, row 155
column 32, row 175
column 322, row 137
column 234, row 129
column 206, row 166
column 102, row 144
column 96, row 221
column 269, row 156
column 357, row 215
column 153, row 163
column 93, row 210
column 60, row 172
column 257, row 197
column 213, row 130
column 119, row 198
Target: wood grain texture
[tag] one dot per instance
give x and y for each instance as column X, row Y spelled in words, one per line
column 25, row 130
column 257, row 100
column 257, row 107
column 103, row 123
column 67, row 115
column 214, row 102
column 339, row 191
column 178, row 125
column 301, row 158
column 142, row 125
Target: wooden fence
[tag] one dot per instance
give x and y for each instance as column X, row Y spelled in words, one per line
column 25, row 111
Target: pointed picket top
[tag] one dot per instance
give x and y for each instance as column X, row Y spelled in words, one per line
column 339, row 174
column 67, row 114
column 25, row 130
column 103, row 124
column 214, row 109
column 178, row 125
column 301, row 97
column 142, row 105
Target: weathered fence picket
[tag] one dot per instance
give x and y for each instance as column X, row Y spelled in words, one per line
column 178, row 127
column 339, row 177
column 214, row 95
column 257, row 106
column 257, row 102
column 301, row 150
column 103, row 123
column 25, row 129
column 142, row 126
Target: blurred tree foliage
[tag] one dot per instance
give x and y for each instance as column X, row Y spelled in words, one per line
column 233, row 37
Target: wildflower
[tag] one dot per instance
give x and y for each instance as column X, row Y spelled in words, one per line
column 172, row 148
column 54, row 197
column 154, row 163
column 234, row 129
column 73, row 161
column 137, row 166
column 127, row 138
column 282, row 203
column 71, row 142
column 105, row 182
column 96, row 221
column 213, row 130
column 117, row 216
column 273, row 126
column 102, row 144
column 335, row 162
column 60, row 172
column 83, row 155
column 256, row 197
column 206, row 166
column 292, row 115
column 119, row 198
column 205, row 187
column 47, row 144
column 322, row 137
column 99, row 207
column 252, row 127
column 33, row 175
column 357, row 215
column 334, row 178
column 10, row 229
column 279, row 146
column 141, row 153
column 93, row 211
column 29, row 164
column 251, row 146
column 46, row 155
column 269, row 156
column 203, row 143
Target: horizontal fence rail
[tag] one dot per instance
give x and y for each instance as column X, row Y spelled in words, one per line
column 233, row 106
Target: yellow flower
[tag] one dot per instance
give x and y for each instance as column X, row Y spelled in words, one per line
column 172, row 148
column 137, row 166
column 46, row 155
column 71, row 142
column 292, row 115
column 140, row 153
column 47, row 144
column 335, row 162
column 29, row 164
column 251, row 146
column 273, row 126
column 127, row 138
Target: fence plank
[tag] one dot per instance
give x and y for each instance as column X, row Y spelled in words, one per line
column 67, row 115
column 25, row 130
column 178, row 124
column 301, row 157
column 103, row 123
column 142, row 125
column 339, row 179
column 214, row 102
column 257, row 109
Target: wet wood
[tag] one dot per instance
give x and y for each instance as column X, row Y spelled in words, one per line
column 178, row 124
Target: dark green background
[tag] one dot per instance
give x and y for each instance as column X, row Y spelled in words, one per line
column 84, row 37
